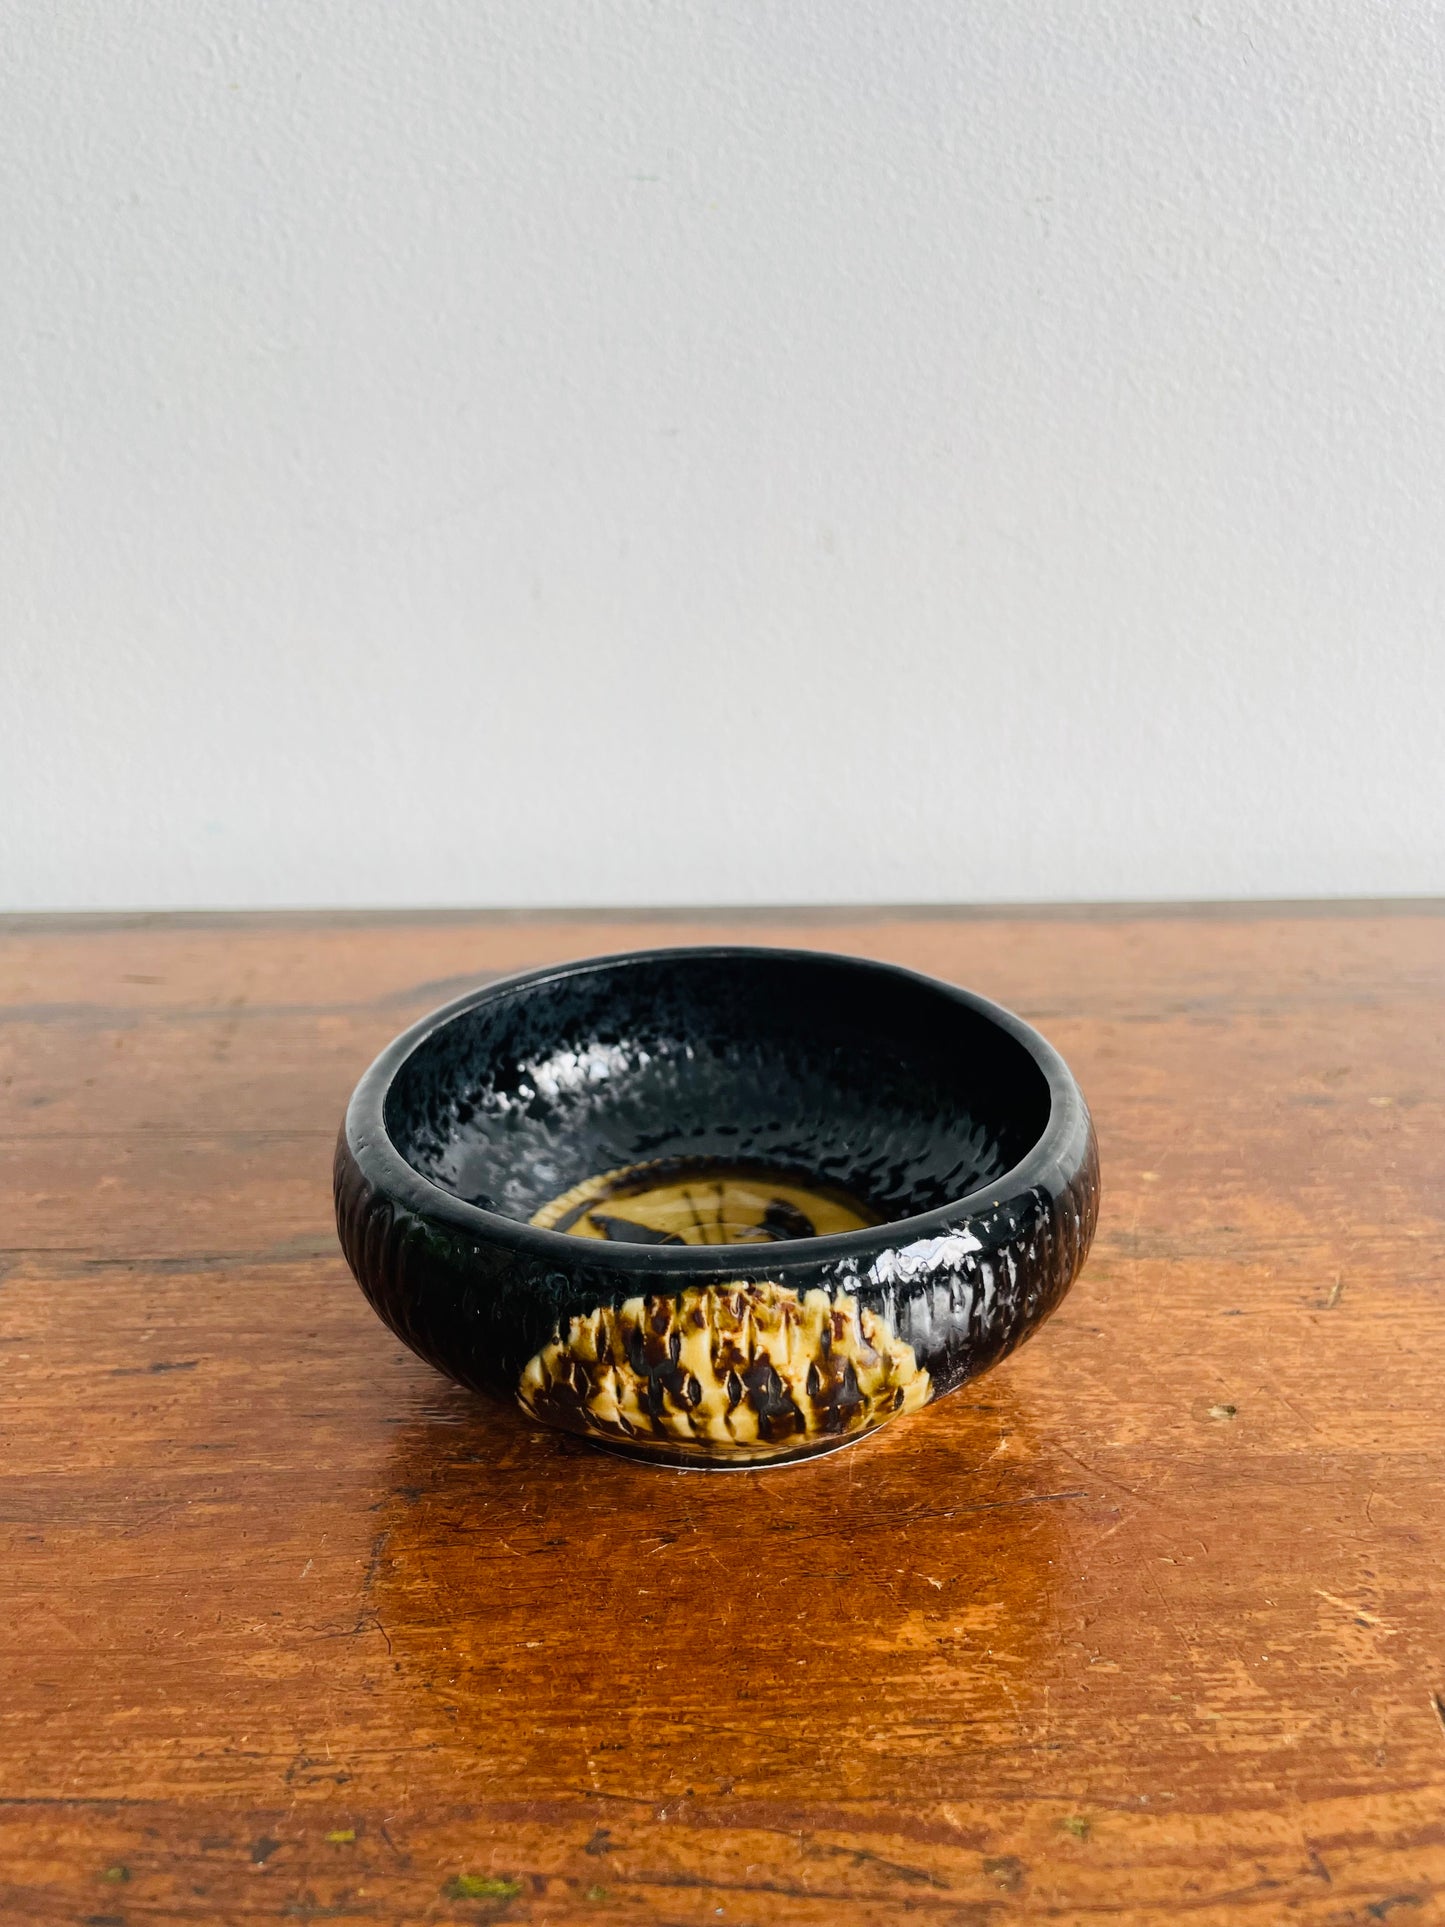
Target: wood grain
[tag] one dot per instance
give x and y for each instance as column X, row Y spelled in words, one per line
column 1147, row 1626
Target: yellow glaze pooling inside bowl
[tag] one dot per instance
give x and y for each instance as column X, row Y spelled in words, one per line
column 705, row 1201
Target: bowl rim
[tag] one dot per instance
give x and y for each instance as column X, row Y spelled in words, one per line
column 395, row 1177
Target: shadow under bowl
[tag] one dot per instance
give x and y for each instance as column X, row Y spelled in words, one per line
column 719, row 1206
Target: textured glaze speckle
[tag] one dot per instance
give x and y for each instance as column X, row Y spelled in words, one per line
column 946, row 1117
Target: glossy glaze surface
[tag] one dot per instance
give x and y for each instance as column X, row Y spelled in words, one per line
column 944, row 1118
column 861, row 1077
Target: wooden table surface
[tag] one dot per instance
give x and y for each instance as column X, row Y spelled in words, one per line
column 1147, row 1626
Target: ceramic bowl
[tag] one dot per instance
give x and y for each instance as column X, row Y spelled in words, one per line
column 718, row 1206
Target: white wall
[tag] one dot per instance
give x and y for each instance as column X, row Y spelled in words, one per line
column 896, row 449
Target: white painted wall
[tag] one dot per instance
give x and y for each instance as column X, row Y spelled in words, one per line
column 515, row 452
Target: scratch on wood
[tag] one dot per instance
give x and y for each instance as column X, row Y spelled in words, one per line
column 378, row 1547
column 1359, row 1614
column 154, row 1371
column 861, row 1855
column 370, row 1619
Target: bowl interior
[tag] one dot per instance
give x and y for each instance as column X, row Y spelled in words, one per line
column 717, row 1097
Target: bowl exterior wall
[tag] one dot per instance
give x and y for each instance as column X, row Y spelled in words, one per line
column 769, row 1358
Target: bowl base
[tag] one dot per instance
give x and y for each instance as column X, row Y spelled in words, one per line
column 695, row 1462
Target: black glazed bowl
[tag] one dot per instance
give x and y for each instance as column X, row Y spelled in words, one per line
column 718, row 1206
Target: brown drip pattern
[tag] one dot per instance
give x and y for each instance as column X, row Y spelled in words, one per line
column 725, row 1372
